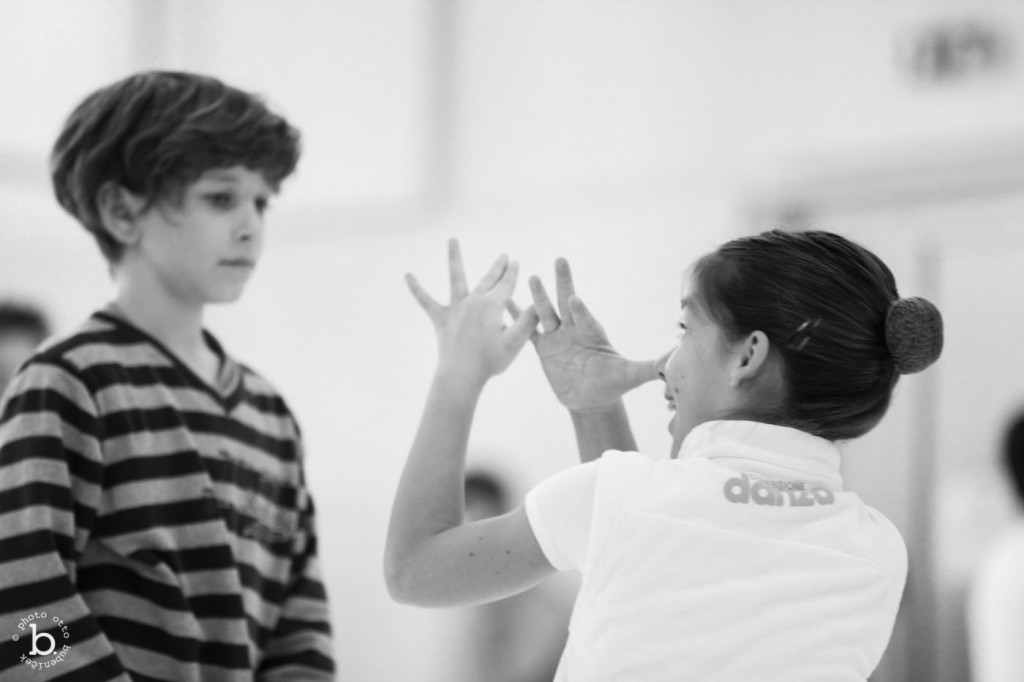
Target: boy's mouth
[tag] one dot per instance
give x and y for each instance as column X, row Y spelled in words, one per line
column 239, row 262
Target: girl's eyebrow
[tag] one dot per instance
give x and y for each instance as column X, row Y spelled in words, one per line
column 684, row 302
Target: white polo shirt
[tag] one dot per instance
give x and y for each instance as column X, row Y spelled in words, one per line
column 741, row 560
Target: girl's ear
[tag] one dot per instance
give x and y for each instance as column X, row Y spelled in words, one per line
column 118, row 209
column 751, row 358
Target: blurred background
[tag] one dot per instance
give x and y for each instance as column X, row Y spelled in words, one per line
column 629, row 136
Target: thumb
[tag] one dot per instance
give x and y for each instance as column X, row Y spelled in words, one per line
column 639, row 372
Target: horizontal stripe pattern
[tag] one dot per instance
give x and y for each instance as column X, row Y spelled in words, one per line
column 164, row 521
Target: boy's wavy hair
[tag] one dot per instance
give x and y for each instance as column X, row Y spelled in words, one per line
column 154, row 133
column 822, row 301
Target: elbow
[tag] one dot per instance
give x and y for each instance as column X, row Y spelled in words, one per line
column 395, row 581
column 411, row 583
column 400, row 581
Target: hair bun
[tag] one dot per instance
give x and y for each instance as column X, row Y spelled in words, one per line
column 913, row 333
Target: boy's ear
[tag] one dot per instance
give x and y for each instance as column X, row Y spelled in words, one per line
column 751, row 358
column 118, row 209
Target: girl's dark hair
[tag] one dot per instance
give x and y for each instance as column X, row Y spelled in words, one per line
column 156, row 132
column 839, row 332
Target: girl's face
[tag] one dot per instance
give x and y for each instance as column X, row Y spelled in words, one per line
column 699, row 373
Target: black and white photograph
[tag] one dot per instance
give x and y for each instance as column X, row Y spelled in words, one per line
column 511, row 340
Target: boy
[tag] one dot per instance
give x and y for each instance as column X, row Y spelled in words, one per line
column 154, row 520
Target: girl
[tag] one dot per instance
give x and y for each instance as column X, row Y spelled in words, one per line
column 740, row 557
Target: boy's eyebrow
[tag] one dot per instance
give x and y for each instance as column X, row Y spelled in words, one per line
column 220, row 175
column 684, row 302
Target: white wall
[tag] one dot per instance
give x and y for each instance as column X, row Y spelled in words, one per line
column 627, row 136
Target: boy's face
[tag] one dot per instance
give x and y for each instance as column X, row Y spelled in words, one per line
column 203, row 248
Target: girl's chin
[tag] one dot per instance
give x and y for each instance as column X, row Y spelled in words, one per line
column 677, row 443
column 673, row 430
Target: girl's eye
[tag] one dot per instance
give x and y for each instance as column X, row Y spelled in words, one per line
column 262, row 204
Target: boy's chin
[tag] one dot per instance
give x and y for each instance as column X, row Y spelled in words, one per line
column 225, row 297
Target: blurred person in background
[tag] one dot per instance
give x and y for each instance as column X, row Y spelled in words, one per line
column 23, row 326
column 520, row 638
column 996, row 598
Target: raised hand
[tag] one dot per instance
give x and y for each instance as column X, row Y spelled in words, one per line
column 474, row 343
column 584, row 370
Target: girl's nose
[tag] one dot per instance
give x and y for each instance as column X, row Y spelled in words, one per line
column 662, row 362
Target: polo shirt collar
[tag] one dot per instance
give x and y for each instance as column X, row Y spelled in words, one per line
column 766, row 450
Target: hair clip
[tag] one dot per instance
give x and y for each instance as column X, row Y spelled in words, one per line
column 799, row 339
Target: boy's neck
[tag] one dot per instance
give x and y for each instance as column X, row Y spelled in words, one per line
column 177, row 326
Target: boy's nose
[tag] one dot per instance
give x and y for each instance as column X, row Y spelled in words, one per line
column 250, row 224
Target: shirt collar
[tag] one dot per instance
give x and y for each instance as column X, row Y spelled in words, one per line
column 227, row 388
column 766, row 450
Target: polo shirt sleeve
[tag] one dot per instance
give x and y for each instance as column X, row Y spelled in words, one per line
column 560, row 510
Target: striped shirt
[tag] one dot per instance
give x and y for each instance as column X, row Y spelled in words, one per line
column 153, row 526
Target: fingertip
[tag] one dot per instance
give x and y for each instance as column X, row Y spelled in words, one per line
column 454, row 248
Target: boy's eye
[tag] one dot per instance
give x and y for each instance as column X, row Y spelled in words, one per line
column 221, row 199
column 262, row 204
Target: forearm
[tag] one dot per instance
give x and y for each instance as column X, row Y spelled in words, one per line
column 430, row 492
column 600, row 430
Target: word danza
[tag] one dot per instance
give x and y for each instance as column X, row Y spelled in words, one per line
column 744, row 490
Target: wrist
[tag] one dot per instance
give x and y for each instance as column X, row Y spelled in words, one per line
column 598, row 411
column 459, row 380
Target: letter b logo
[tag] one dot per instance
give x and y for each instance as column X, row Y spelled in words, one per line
column 36, row 637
